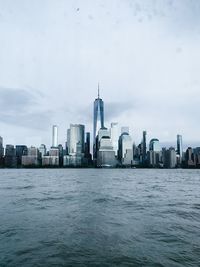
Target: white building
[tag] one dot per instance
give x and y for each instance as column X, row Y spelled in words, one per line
column 114, row 133
column 105, row 153
column 54, row 136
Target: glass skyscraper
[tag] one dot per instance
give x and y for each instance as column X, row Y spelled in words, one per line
column 98, row 119
column 180, row 148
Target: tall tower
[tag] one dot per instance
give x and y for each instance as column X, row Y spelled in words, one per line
column 1, row 147
column 76, row 139
column 180, row 147
column 144, row 147
column 55, row 136
column 98, row 116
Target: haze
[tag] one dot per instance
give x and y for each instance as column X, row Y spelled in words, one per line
column 144, row 54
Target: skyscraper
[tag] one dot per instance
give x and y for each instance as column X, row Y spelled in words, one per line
column 154, row 145
column 21, row 150
column 98, row 119
column 55, row 136
column 154, row 153
column 105, row 152
column 10, row 156
column 76, row 145
column 77, row 139
column 114, row 133
column 1, row 147
column 144, row 147
column 87, row 146
column 180, row 147
column 125, row 153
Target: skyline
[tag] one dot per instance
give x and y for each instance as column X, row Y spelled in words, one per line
column 146, row 60
column 97, row 114
column 98, row 124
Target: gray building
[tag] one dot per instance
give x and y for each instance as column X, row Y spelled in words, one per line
column 154, row 153
column 10, row 159
column 170, row 158
column 125, row 152
column 75, row 145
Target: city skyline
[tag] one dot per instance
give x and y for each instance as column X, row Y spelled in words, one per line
column 54, row 53
column 98, row 122
column 112, row 147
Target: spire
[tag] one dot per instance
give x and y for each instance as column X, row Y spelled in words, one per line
column 98, row 89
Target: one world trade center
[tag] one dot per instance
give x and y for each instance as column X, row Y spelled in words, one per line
column 98, row 120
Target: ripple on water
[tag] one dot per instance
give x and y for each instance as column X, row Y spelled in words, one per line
column 99, row 218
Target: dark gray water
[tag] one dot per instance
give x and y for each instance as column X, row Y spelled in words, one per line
column 87, row 217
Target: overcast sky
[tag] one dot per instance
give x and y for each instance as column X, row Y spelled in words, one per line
column 144, row 54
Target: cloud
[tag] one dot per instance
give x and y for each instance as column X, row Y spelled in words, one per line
column 115, row 109
column 17, row 107
column 15, row 100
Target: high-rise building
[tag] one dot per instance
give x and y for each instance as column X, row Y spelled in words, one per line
column 179, row 149
column 114, row 133
column 10, row 156
column 1, row 151
column 52, row 159
column 124, row 129
column 1, row 147
column 125, row 153
column 77, row 139
column 105, row 152
column 32, row 159
column 88, row 155
column 76, row 145
column 144, row 148
column 42, row 150
column 21, row 150
column 190, row 159
column 154, row 145
column 55, row 136
column 169, row 158
column 98, row 119
column 154, row 153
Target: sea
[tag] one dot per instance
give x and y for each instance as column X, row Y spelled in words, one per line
column 99, row 217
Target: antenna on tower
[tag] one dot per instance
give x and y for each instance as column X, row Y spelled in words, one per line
column 98, row 89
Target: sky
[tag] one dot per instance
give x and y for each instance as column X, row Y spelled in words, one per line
column 144, row 54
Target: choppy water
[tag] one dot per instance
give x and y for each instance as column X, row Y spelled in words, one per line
column 87, row 217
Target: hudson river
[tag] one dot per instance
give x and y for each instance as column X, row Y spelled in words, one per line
column 99, row 217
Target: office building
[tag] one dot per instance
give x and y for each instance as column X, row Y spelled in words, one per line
column 125, row 152
column 169, row 158
column 21, row 150
column 1, row 147
column 105, row 152
column 32, row 159
column 144, row 148
column 179, row 150
column 124, row 129
column 10, row 160
column 154, row 153
column 55, row 136
column 190, row 159
column 98, row 119
column 76, row 145
column 114, row 134
column 42, row 150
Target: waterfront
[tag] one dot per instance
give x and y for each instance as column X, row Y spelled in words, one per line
column 99, row 217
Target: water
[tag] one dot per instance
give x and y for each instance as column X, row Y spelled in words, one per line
column 103, row 217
